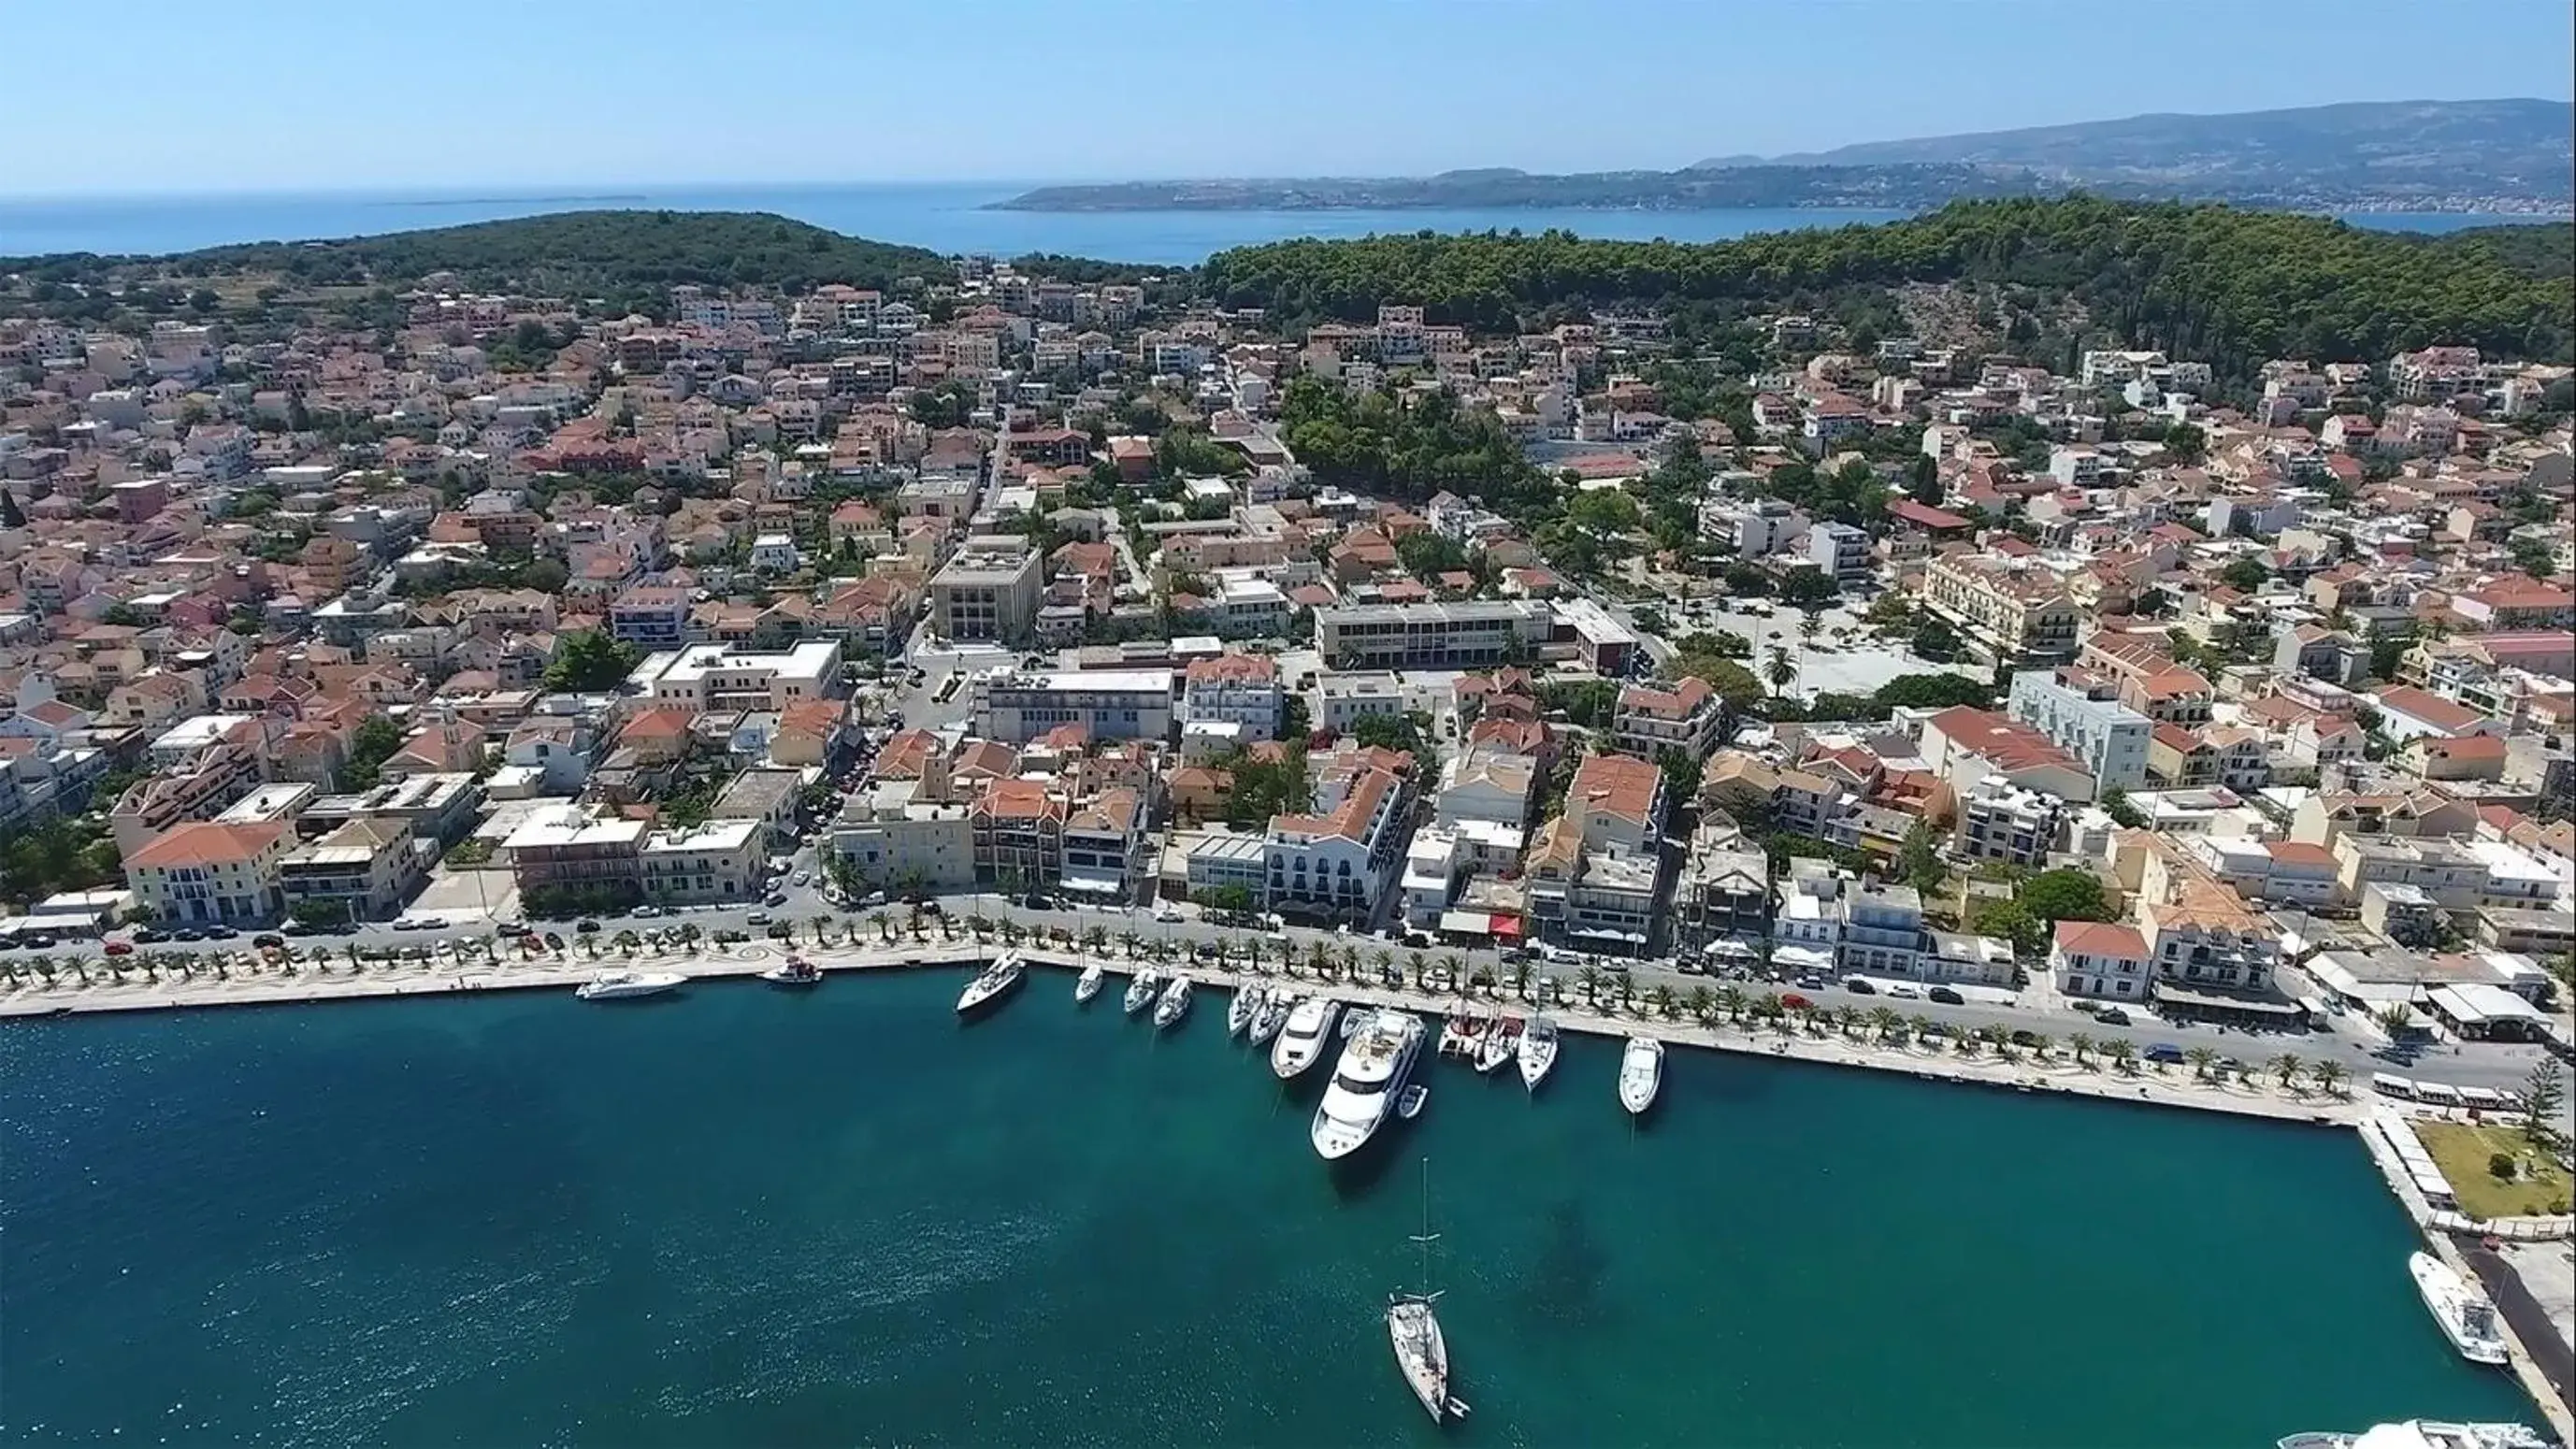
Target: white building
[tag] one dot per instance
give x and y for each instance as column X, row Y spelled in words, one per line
column 1344, row 697
column 2083, row 718
column 1239, row 693
column 723, row 677
column 1112, row 704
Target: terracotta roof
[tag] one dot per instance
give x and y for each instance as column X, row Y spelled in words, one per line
column 2101, row 938
column 1615, row 784
column 203, row 842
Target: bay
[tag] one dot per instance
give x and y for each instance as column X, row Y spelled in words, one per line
column 740, row 1216
column 945, row 217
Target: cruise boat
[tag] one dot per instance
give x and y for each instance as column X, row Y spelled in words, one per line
column 2422, row 1434
column 2467, row 1316
column 1302, row 1037
column 1173, row 1004
column 794, row 971
column 992, row 982
column 1093, row 977
column 1140, row 991
column 1413, row 1329
column 1239, row 1011
column 1537, row 1050
column 1641, row 1074
column 1271, row 1015
column 627, row 985
column 1374, row 1064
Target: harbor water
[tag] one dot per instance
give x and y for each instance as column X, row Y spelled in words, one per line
column 739, row 1215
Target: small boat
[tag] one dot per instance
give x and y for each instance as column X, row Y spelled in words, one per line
column 1271, row 1015
column 2422, row 1434
column 1173, row 1004
column 1140, row 991
column 1238, row 1012
column 1301, row 1040
column 1093, row 976
column 993, row 982
column 1641, row 1074
column 1409, row 1106
column 1502, row 1042
column 627, row 985
column 794, row 971
column 1413, row 1329
column 1537, row 1050
column 2466, row 1314
column 1351, row 1023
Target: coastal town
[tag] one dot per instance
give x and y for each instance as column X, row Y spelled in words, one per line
column 2098, row 701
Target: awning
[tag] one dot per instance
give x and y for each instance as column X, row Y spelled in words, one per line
column 1811, row 958
column 1506, row 928
column 1628, row 937
column 2184, row 996
column 1095, row 885
column 1467, row 923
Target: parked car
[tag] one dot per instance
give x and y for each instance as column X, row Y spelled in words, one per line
column 120, row 948
column 2025, row 1038
column 1947, row 996
column 220, row 933
column 646, row 910
column 2163, row 1051
column 1167, row 915
column 756, row 918
column 183, row 933
column 2112, row 1015
column 774, row 899
column 1905, row 991
column 268, row 938
column 147, row 935
column 801, row 877
column 1859, row 986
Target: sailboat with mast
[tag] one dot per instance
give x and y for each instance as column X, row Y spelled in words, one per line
column 1413, row 1326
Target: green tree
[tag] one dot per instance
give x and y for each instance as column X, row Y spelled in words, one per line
column 1920, row 859
column 373, row 742
column 2245, row 575
column 591, row 661
column 2065, row 894
column 2544, row 1098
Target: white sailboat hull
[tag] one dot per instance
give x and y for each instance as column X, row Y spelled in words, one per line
column 1421, row 1352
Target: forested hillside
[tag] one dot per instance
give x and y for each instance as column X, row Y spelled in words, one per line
column 2211, row 282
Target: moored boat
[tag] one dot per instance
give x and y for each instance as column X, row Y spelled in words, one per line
column 1173, row 1004
column 1303, row 1036
column 1409, row 1106
column 1375, row 1064
column 1641, row 1074
column 1271, row 1015
column 1093, row 976
column 1140, row 991
column 1501, row 1043
column 1537, row 1050
column 1413, row 1329
column 2422, row 1434
column 992, row 983
column 794, row 971
column 627, row 985
column 2466, row 1315
column 1239, row 1011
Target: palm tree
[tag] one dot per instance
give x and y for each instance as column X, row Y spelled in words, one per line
column 1127, row 941
column 1287, row 955
column 2123, row 1054
column 1011, row 932
column 2040, row 1045
column 1780, row 672
column 1661, row 999
column 1703, row 1005
column 1589, row 979
column 2328, row 1077
column 1885, row 1020
column 2286, row 1067
column 1627, row 991
column 978, row 926
column 1521, row 979
column 1730, row 999
column 1917, row 1028
column 1382, row 958
column 2201, row 1059
column 1415, row 964
column 820, row 923
column 1320, row 957
column 884, row 922
column 1094, row 938
column 2081, row 1045
column 1454, row 968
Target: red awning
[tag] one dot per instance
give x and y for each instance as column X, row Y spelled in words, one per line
column 1507, row 928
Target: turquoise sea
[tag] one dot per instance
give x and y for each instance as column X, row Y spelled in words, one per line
column 947, row 217
column 743, row 1217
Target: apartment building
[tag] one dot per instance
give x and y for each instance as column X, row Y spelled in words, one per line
column 715, row 677
column 1999, row 821
column 1967, row 746
column 1882, row 929
column 1231, row 700
column 2011, row 607
column 1618, row 803
column 568, row 847
column 714, row 862
column 2103, row 960
column 1689, row 717
column 365, row 870
column 1839, row 551
column 202, row 872
column 1017, row 706
column 988, row 589
column 2083, row 716
column 650, row 616
column 1432, row 636
column 1595, row 897
column 1336, row 861
column 1344, row 697
column 2206, row 942
column 1104, row 846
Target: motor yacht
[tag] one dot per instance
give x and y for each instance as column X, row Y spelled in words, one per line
column 1302, row 1037
column 627, row 985
column 794, row 971
column 2422, row 1434
column 2462, row 1308
column 1140, row 991
column 1375, row 1062
column 1093, row 976
column 1641, row 1074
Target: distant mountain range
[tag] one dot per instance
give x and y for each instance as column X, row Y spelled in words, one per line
column 2499, row 156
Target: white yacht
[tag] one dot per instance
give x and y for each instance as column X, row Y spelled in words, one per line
column 1173, row 1004
column 1641, row 1074
column 1140, row 991
column 2467, row 1316
column 1537, row 1050
column 1239, row 1011
column 2422, row 1434
column 794, row 971
column 1502, row 1042
column 1271, row 1015
column 627, row 985
column 1302, row 1037
column 1093, row 977
column 992, row 982
column 1375, row 1062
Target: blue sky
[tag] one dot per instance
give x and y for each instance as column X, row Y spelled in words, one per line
column 300, row 94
